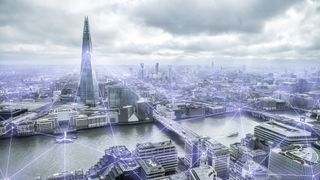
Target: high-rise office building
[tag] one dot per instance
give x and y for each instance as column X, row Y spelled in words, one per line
column 212, row 65
column 142, row 71
column 218, row 157
column 193, row 148
column 120, row 95
column 157, row 68
column 170, row 73
column 88, row 88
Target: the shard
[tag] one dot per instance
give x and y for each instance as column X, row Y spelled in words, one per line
column 88, row 88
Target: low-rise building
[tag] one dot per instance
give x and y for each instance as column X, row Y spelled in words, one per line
column 25, row 128
column 151, row 168
column 45, row 125
column 202, row 173
column 238, row 151
column 282, row 134
column 248, row 170
column 295, row 162
column 81, row 121
column 271, row 104
column 76, row 175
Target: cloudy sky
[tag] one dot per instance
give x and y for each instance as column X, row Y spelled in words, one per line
column 180, row 31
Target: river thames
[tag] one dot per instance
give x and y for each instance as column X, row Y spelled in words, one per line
column 35, row 156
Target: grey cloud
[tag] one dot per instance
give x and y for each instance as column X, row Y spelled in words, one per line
column 30, row 23
column 213, row 16
column 58, row 32
column 197, row 28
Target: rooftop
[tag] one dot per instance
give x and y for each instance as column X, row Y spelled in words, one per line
column 304, row 154
column 284, row 129
column 203, row 172
column 153, row 145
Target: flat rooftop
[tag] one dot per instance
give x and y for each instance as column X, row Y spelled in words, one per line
column 203, row 172
column 284, row 129
column 153, row 145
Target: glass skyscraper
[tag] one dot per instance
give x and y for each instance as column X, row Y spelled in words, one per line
column 88, row 88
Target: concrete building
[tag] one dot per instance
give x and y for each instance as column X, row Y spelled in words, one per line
column 125, row 164
column 7, row 112
column 193, row 149
column 99, row 120
column 218, row 156
column 282, row 134
column 238, row 151
column 64, row 118
column 81, row 121
column 271, row 104
column 117, row 163
column 25, row 128
column 303, row 101
column 202, row 173
column 150, row 169
column 3, row 129
column 164, row 152
column 295, row 162
column 248, row 170
column 67, row 95
column 45, row 125
column 127, row 115
column 74, row 175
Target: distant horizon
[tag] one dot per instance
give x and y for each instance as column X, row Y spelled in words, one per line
column 250, row 65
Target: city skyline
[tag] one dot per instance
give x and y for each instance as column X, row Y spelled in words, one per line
column 128, row 32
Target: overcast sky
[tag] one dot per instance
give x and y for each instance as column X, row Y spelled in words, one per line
column 168, row 31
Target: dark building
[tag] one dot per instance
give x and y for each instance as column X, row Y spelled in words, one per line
column 125, row 113
column 103, row 90
column 144, row 109
column 120, row 95
column 7, row 112
column 67, row 95
column 157, row 68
